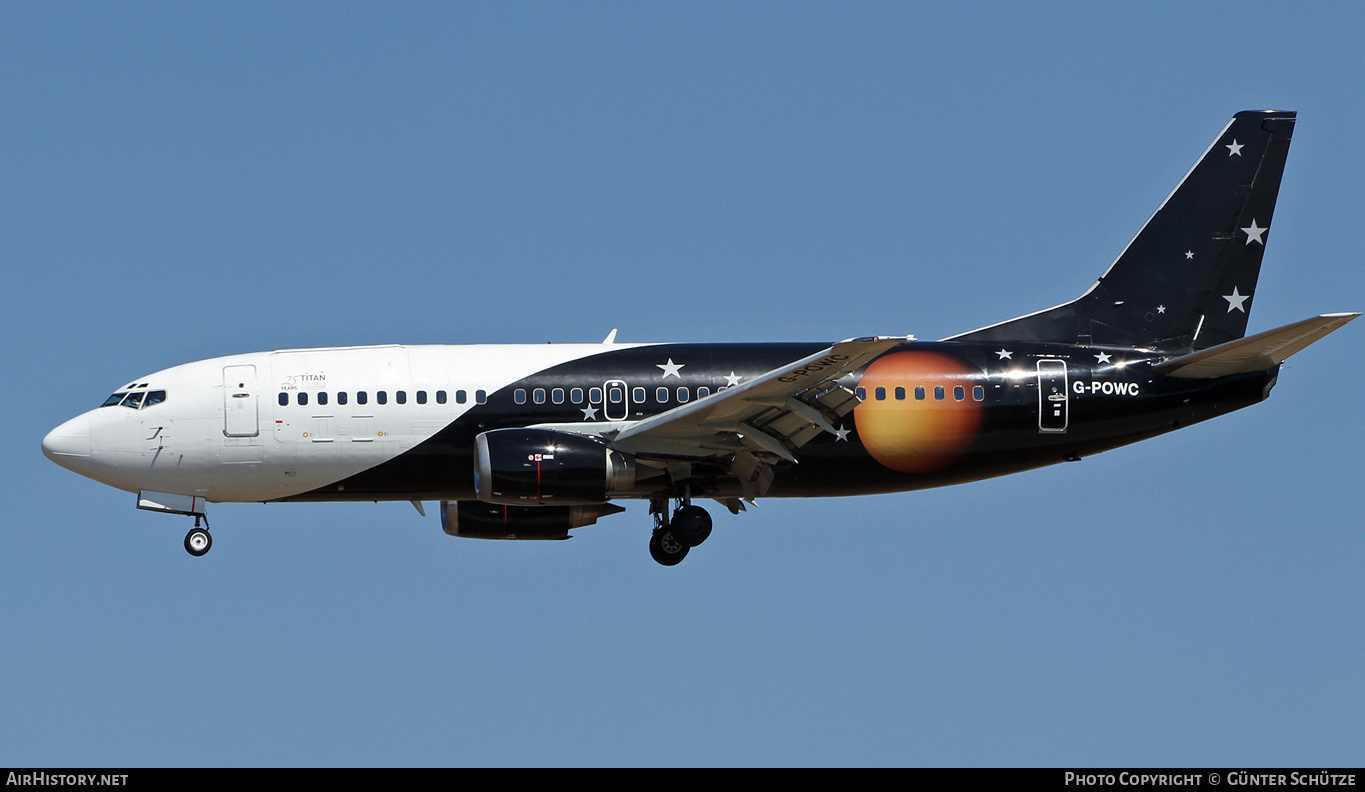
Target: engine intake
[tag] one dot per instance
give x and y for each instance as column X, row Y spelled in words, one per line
column 543, row 466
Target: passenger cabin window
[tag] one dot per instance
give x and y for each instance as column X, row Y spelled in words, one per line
column 595, row 396
column 322, row 397
column 519, row 396
column 880, row 393
column 303, row 399
column 661, row 395
column 381, row 397
column 341, row 397
column 284, row 399
column 441, row 397
column 703, row 392
column 979, row 393
column 637, row 395
column 557, row 395
column 421, row 397
column 460, row 397
column 538, row 395
column 938, row 393
column 682, row 394
column 401, row 397
column 480, row 397
column 959, row 393
column 919, row 393
column 361, row 397
column 900, row 393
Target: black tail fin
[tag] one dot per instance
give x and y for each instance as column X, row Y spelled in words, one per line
column 1186, row 280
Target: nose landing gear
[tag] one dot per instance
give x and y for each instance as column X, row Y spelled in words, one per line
column 688, row 527
column 198, row 541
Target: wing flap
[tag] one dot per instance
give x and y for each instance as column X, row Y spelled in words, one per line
column 1254, row 353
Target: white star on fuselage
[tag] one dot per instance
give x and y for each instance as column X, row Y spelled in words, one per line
column 1189, row 254
column 1102, row 357
column 1254, row 233
column 1005, row 354
column 671, row 369
column 1235, row 300
column 1161, row 309
column 1235, row 148
column 732, row 380
column 589, row 413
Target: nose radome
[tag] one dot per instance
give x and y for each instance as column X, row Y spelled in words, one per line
column 69, row 445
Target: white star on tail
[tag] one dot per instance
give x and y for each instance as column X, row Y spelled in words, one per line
column 671, row 369
column 1254, row 233
column 1235, row 300
column 1235, row 148
column 841, row 434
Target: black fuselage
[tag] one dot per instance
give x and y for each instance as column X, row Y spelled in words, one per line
column 1034, row 405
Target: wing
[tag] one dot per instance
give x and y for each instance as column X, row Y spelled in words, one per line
column 759, row 422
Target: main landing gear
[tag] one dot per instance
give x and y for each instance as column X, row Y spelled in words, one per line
column 198, row 541
column 674, row 537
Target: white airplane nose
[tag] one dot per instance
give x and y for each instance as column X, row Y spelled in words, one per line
column 69, row 445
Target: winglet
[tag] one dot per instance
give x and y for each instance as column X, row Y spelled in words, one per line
column 611, row 337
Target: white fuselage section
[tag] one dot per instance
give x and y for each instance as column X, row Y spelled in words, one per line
column 270, row 425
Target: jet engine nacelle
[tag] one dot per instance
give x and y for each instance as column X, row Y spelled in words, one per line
column 543, row 466
column 479, row 520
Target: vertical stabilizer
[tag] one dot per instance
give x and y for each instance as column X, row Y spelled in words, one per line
column 1188, row 279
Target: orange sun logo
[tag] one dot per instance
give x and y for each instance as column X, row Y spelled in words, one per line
column 920, row 410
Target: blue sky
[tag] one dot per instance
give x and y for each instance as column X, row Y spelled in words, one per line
column 186, row 181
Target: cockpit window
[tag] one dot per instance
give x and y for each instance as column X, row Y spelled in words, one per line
column 135, row 400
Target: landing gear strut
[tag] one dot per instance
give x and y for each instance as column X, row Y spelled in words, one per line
column 673, row 537
column 198, row 541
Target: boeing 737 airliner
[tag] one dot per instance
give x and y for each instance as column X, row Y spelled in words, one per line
column 531, row 442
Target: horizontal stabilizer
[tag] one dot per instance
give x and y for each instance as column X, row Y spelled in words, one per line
column 1254, row 353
